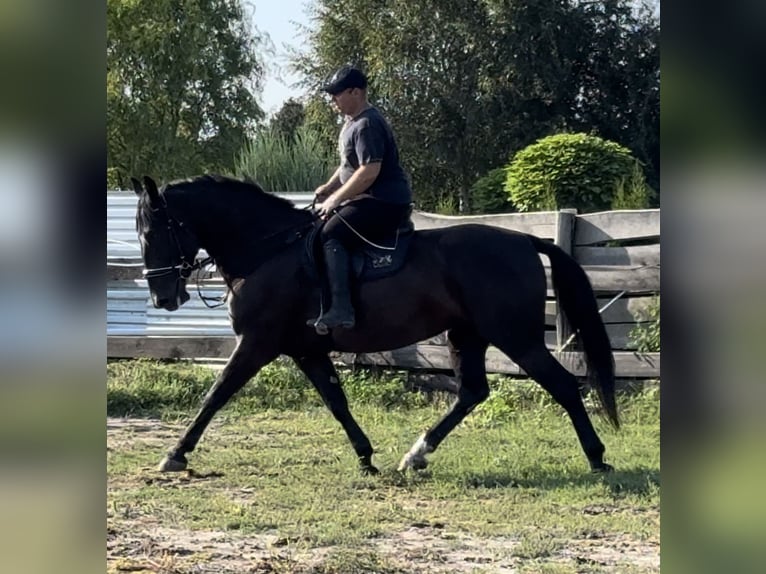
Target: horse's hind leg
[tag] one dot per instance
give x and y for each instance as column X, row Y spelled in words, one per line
column 321, row 372
column 540, row 365
column 244, row 363
column 467, row 351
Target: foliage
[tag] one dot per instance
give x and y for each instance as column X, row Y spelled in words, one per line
column 508, row 399
column 646, row 336
column 633, row 192
column 280, row 162
column 445, row 204
column 465, row 84
column 581, row 171
column 181, row 82
column 288, row 119
column 488, row 193
column 322, row 120
column 113, row 180
column 619, row 97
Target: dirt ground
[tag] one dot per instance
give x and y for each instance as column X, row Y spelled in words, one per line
column 145, row 544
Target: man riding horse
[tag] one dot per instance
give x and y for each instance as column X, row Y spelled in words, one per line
column 368, row 195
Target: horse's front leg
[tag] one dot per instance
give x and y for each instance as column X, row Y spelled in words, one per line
column 248, row 357
column 321, row 372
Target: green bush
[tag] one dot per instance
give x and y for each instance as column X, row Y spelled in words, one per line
column 279, row 162
column 508, row 399
column 113, row 178
column 445, row 205
column 488, row 193
column 646, row 336
column 633, row 192
column 569, row 170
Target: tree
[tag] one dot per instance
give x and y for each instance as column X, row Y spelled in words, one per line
column 467, row 83
column 288, row 119
column 181, row 82
column 422, row 75
column 619, row 80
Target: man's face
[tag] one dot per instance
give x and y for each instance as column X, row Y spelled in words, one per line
column 346, row 101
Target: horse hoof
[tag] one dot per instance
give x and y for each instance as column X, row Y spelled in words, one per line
column 412, row 462
column 172, row 464
column 603, row 468
column 366, row 466
column 416, row 456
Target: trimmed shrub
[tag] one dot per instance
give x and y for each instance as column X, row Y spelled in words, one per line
column 488, row 193
column 569, row 170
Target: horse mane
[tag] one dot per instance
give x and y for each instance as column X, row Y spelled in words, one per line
column 249, row 194
column 247, row 188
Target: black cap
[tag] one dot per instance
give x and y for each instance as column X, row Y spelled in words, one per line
column 345, row 78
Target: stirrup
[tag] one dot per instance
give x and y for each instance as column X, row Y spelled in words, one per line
column 319, row 327
column 322, row 328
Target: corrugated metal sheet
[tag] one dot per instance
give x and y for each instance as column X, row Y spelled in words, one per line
column 129, row 310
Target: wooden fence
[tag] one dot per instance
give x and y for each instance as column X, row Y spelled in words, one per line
column 619, row 250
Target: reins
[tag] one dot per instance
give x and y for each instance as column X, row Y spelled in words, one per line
column 355, row 232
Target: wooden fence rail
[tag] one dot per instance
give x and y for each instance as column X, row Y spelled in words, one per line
column 619, row 250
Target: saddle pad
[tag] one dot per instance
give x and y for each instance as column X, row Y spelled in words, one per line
column 369, row 262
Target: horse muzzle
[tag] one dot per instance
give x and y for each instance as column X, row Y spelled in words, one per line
column 180, row 297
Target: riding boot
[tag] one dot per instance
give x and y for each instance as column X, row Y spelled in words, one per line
column 341, row 313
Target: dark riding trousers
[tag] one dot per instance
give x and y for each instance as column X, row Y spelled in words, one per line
column 372, row 218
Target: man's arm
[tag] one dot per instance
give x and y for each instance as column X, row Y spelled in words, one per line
column 323, row 191
column 359, row 182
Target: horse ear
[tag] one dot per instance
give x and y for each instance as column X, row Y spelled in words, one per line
column 137, row 187
column 151, row 189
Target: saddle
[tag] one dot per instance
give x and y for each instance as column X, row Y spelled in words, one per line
column 367, row 262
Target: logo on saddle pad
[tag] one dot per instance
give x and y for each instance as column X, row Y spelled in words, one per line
column 382, row 261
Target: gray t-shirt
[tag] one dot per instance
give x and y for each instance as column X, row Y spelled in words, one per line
column 368, row 138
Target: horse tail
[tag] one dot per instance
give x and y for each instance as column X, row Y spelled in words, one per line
column 578, row 302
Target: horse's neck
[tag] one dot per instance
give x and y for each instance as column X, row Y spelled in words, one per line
column 234, row 237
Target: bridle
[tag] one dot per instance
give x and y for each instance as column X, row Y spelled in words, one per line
column 184, row 268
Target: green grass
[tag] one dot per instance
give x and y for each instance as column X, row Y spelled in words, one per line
column 276, row 462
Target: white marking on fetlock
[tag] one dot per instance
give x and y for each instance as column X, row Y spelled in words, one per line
column 416, row 456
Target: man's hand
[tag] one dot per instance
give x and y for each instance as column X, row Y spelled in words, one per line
column 327, row 206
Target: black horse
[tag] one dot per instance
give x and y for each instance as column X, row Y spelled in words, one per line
column 481, row 284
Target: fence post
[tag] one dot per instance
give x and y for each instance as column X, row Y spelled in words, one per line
column 565, row 228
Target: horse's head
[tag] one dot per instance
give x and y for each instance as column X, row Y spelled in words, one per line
column 167, row 246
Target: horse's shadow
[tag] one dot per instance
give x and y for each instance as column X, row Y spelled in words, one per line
column 636, row 480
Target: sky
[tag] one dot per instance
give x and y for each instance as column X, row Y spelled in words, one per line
column 279, row 19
